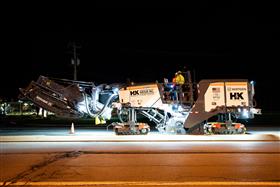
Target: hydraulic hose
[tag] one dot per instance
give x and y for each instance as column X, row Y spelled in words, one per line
column 88, row 110
column 106, row 104
column 102, row 110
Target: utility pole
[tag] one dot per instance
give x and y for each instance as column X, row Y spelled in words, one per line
column 75, row 61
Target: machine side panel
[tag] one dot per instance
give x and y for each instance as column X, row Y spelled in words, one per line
column 198, row 113
column 141, row 96
column 215, row 96
column 124, row 95
column 237, row 94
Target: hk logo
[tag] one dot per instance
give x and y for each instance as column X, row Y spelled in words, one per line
column 236, row 95
column 136, row 92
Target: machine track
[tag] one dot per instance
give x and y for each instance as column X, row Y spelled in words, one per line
column 131, row 128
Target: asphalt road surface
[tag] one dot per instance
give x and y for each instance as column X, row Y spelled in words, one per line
column 233, row 161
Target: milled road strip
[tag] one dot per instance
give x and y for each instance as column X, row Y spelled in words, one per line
column 142, row 183
column 35, row 167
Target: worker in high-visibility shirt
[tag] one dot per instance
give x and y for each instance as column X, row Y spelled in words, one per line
column 178, row 81
column 179, row 78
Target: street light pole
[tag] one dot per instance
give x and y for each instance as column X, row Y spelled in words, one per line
column 75, row 61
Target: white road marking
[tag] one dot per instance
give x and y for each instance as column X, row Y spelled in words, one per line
column 132, row 138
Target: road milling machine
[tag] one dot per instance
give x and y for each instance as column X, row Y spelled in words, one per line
column 209, row 107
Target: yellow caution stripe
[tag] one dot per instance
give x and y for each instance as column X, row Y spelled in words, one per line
column 236, row 83
column 141, row 183
column 217, row 84
column 148, row 86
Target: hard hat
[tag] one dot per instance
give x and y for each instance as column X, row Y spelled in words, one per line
column 179, row 72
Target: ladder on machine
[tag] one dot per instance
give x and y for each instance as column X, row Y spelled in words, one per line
column 155, row 116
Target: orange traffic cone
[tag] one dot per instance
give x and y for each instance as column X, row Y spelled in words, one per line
column 72, row 131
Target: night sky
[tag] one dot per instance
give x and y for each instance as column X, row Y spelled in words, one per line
column 216, row 40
